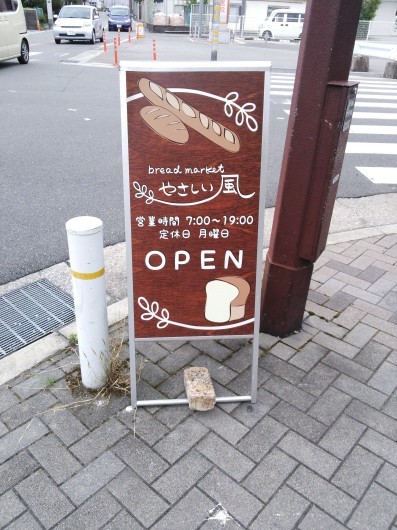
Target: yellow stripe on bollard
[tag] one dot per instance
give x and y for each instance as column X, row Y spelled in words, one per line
column 88, row 275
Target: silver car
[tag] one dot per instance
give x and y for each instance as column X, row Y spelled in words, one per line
column 77, row 22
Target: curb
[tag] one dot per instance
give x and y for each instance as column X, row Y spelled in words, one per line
column 25, row 358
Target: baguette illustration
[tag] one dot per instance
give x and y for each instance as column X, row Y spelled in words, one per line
column 165, row 123
column 226, row 299
column 214, row 131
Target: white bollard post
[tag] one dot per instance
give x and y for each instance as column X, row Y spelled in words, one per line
column 85, row 240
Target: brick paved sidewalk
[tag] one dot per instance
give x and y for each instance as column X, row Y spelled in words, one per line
column 318, row 450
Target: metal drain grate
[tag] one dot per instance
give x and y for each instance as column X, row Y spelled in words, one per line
column 30, row 313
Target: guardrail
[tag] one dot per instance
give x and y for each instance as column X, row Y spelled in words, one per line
column 379, row 50
column 363, row 50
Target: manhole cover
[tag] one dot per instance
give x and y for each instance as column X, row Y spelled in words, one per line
column 31, row 312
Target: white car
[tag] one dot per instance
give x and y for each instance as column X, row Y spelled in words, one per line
column 76, row 22
column 13, row 35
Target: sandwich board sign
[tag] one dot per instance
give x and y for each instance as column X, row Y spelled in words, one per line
column 194, row 137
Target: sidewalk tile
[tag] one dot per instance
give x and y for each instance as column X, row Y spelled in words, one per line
column 182, row 476
column 151, row 350
column 360, row 391
column 94, row 513
column 320, row 310
column 55, row 458
column 241, row 384
column 372, row 355
column 172, row 416
column 140, row 458
column 336, row 345
column 328, row 328
column 92, row 478
column 7, row 399
column 152, row 373
column 20, row 438
column 360, row 335
column 282, row 351
column 179, row 358
column 341, row 267
column 240, row 360
column 123, row 521
column 309, row 454
column 283, row 511
column 342, row 436
column 290, row 393
column 98, row 440
column 189, row 513
column 353, row 280
column 93, row 416
column 10, row 508
column 360, row 293
column 224, row 456
column 249, row 414
column 381, row 287
column 316, row 520
column 308, row 356
column 330, row 287
column 388, row 477
column 3, row 429
column 297, row 340
column 329, row 406
column 137, row 497
column 27, row 409
column 214, row 349
column 387, row 340
column 270, row 474
column 381, row 325
column 377, row 510
column 220, row 373
column 147, row 427
column 326, row 496
column 372, row 309
column 323, row 274
column 15, row 470
column 357, row 472
column 385, row 378
column 318, row 379
column 34, row 384
column 373, row 418
column 380, row 445
column 340, row 301
column 298, row 421
column 173, row 387
column 347, row 367
column 261, row 438
column 223, row 424
column 235, row 499
column 389, row 301
column 350, row 317
column 391, row 407
column 281, row 368
column 179, row 441
column 45, row 500
column 25, row 522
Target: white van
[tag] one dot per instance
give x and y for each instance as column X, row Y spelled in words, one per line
column 13, row 35
column 283, row 24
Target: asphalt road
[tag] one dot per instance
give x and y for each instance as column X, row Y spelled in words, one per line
column 60, row 154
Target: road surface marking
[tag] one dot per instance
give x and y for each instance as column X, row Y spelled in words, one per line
column 373, row 129
column 380, row 175
column 374, row 115
column 371, row 148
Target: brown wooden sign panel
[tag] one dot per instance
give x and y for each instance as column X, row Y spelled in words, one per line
column 194, row 150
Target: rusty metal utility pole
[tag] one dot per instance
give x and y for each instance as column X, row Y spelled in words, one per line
column 321, row 109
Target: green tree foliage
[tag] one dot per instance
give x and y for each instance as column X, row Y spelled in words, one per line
column 368, row 9
column 56, row 5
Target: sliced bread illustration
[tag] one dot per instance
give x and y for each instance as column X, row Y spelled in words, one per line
column 226, row 299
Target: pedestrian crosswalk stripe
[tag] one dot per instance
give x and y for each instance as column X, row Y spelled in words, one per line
column 373, row 129
column 377, row 105
column 380, row 175
column 374, row 115
column 373, row 148
column 374, row 96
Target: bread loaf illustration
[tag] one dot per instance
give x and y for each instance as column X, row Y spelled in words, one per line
column 214, row 131
column 226, row 299
column 165, row 123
